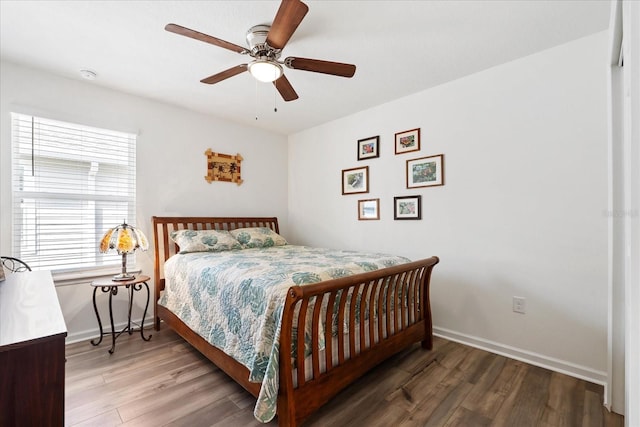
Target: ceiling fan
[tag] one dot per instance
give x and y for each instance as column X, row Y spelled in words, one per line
column 265, row 47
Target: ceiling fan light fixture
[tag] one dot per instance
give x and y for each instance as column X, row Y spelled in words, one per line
column 265, row 71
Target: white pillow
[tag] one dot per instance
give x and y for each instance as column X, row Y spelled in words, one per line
column 258, row 237
column 204, row 241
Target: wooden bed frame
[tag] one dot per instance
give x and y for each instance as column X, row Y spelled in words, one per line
column 401, row 292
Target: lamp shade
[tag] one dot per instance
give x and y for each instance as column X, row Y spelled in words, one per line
column 124, row 239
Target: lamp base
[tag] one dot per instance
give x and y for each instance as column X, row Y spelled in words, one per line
column 123, row 277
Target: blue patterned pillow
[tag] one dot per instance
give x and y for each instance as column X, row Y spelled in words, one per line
column 258, row 237
column 204, row 241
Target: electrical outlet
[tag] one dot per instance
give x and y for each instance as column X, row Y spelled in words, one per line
column 519, row 305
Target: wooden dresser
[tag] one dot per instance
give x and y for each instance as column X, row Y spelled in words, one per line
column 32, row 338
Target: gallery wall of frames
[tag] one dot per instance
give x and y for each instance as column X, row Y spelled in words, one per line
column 421, row 170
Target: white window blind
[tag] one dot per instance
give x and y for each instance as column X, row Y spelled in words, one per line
column 70, row 183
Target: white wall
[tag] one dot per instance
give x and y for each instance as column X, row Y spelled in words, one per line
column 522, row 212
column 171, row 164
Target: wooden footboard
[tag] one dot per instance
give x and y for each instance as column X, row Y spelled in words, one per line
column 379, row 312
column 355, row 322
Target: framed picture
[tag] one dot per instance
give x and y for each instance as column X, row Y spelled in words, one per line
column 425, row 171
column 407, row 141
column 355, row 180
column 223, row 167
column 368, row 209
column 368, row 148
column 407, row 207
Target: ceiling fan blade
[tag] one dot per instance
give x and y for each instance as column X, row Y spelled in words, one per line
column 183, row 31
column 318, row 66
column 216, row 78
column 289, row 16
column 286, row 90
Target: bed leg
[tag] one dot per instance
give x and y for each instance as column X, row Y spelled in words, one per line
column 285, row 422
column 157, row 324
column 427, row 342
column 286, row 417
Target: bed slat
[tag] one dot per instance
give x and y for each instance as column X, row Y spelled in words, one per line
column 302, row 316
column 341, row 306
column 315, row 337
column 328, row 332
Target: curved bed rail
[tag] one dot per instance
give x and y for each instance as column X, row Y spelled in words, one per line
column 371, row 315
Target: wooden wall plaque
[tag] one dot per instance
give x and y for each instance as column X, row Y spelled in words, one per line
column 223, row 167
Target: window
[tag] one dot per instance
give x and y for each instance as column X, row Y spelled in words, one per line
column 70, row 183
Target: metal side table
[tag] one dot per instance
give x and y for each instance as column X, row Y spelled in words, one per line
column 111, row 287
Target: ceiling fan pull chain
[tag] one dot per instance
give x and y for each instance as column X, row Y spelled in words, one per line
column 275, row 100
column 256, row 103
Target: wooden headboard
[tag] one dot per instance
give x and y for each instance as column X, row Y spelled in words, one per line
column 164, row 247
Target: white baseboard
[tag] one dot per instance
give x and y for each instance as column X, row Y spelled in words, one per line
column 92, row 333
column 536, row 359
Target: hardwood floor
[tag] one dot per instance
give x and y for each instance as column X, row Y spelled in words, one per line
column 164, row 382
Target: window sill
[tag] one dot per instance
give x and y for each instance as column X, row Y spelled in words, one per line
column 68, row 278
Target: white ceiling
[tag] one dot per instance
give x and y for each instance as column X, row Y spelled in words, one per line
column 399, row 48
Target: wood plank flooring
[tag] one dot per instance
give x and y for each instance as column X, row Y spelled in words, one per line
column 165, row 382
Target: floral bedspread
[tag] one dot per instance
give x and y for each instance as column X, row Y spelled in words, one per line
column 235, row 299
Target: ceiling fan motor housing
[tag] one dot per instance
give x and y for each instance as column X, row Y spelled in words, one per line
column 257, row 41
